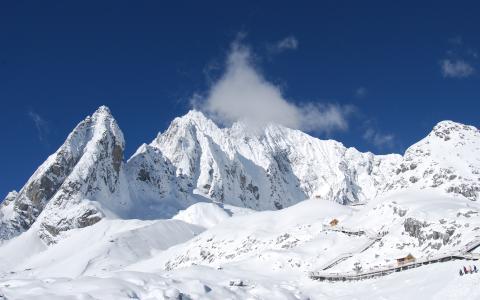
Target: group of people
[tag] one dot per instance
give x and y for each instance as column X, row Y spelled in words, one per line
column 468, row 270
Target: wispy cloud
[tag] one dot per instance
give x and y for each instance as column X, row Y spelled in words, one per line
column 361, row 92
column 456, row 68
column 288, row 43
column 378, row 139
column 40, row 124
column 243, row 93
column 459, row 60
column 285, row 44
column 456, row 40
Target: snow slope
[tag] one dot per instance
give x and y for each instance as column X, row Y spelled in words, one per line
column 205, row 215
column 438, row 281
column 422, row 222
column 260, row 255
column 299, row 238
column 101, row 248
column 263, row 236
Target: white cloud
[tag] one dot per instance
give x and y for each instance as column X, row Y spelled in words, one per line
column 378, row 139
column 242, row 93
column 460, row 59
column 456, row 68
column 40, row 124
column 285, row 44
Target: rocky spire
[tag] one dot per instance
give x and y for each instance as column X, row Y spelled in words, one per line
column 88, row 162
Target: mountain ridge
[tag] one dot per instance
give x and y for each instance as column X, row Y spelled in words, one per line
column 194, row 160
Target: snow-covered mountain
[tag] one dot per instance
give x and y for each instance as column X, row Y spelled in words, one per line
column 270, row 168
column 448, row 159
column 204, row 210
column 76, row 186
column 195, row 160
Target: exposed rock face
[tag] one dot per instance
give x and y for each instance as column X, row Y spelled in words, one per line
column 414, row 228
column 271, row 168
column 153, row 185
column 87, row 166
column 434, row 235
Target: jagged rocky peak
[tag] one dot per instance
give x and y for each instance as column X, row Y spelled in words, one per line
column 68, row 174
column 108, row 135
column 193, row 120
column 268, row 167
column 96, row 185
column 196, row 117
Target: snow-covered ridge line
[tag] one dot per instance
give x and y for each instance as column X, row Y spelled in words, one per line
column 87, row 178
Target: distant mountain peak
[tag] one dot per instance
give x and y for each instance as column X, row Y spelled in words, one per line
column 448, row 130
column 103, row 109
column 195, row 114
column 453, row 125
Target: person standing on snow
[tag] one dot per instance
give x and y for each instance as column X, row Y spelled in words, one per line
column 461, row 273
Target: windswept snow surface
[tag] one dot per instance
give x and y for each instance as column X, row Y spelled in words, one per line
column 440, row 281
column 204, row 212
column 104, row 247
column 205, row 215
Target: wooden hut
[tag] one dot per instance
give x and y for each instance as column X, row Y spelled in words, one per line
column 334, row 222
column 405, row 260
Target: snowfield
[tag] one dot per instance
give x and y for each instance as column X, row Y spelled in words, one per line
column 204, row 212
column 256, row 256
column 431, row 282
column 259, row 255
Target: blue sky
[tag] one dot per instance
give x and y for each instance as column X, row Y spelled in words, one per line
column 378, row 74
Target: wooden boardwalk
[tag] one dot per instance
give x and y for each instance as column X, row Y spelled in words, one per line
column 372, row 239
column 464, row 253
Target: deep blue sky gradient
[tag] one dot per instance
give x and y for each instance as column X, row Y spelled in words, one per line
column 60, row 60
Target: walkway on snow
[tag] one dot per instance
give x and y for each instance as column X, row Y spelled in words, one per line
column 372, row 239
column 464, row 253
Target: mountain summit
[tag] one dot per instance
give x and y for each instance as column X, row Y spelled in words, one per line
column 68, row 190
